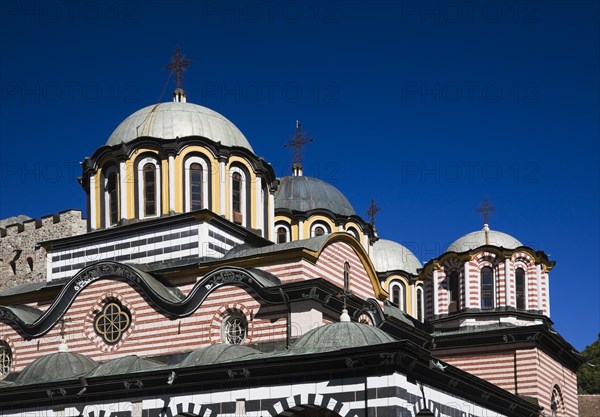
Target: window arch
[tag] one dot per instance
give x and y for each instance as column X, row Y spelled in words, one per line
column 319, row 229
column 420, row 304
column 110, row 202
column 238, row 196
column 196, row 184
column 487, row 287
column 354, row 233
column 557, row 405
column 454, row 290
column 283, row 233
column 398, row 294
column 346, row 276
column 149, row 190
column 520, row 283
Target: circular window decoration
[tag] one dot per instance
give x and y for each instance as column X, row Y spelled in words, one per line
column 112, row 322
column 5, row 359
column 365, row 319
column 235, row 329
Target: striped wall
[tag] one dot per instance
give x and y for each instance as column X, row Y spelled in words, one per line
column 151, row 333
column 382, row 396
column 188, row 241
column 528, row 372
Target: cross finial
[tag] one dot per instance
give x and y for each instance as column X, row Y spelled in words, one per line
column 485, row 209
column 178, row 65
column 298, row 142
column 372, row 212
column 63, row 343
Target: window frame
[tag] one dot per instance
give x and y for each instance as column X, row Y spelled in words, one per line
column 317, row 224
column 487, row 294
column 234, row 170
column 521, row 294
column 401, row 302
column 120, row 309
column 6, row 359
column 189, row 161
column 234, row 317
column 141, row 184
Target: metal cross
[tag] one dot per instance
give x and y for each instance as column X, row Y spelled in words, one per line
column 178, row 65
column 298, row 142
column 63, row 324
column 485, row 209
column 373, row 210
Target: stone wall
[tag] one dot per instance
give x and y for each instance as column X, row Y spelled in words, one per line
column 22, row 259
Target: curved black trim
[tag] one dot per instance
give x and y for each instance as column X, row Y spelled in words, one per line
column 175, row 307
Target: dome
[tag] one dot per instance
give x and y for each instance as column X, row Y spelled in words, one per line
column 391, row 256
column 483, row 237
column 124, row 365
column 172, row 120
column 217, row 353
column 55, row 367
column 340, row 335
column 301, row 193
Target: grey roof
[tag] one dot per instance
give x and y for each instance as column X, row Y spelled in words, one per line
column 174, row 119
column 476, row 239
column 217, row 353
column 55, row 367
column 124, row 365
column 393, row 311
column 340, row 335
column 303, row 194
column 391, row 256
column 23, row 288
column 313, row 244
column 25, row 313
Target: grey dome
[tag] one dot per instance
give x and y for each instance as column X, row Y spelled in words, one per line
column 476, row 239
column 340, row 335
column 301, row 193
column 171, row 120
column 55, row 367
column 217, row 353
column 391, row 256
column 124, row 365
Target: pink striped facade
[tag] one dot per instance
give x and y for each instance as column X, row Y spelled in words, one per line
column 153, row 334
column 526, row 372
column 536, row 276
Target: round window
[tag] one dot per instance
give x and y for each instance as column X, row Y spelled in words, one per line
column 235, row 329
column 112, row 322
column 5, row 360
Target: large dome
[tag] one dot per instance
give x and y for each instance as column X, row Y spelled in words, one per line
column 391, row 256
column 175, row 119
column 299, row 193
column 340, row 335
column 56, row 367
column 484, row 237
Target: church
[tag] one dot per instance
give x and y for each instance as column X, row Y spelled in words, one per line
column 201, row 284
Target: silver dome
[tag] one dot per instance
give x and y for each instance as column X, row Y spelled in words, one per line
column 175, row 119
column 301, row 193
column 476, row 239
column 391, row 256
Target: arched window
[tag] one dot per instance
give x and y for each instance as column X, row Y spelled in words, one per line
column 112, row 199
column 319, row 229
column 520, row 288
column 195, row 186
column 346, row 276
column 354, row 233
column 149, row 192
column 234, row 329
column 236, row 197
column 281, row 234
column 453, row 288
column 398, row 293
column 420, row 304
column 557, row 405
column 487, row 287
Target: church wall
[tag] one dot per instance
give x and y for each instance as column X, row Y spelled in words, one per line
column 151, row 332
column 525, row 372
column 390, row 394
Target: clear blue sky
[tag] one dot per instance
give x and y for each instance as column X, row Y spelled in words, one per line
column 425, row 107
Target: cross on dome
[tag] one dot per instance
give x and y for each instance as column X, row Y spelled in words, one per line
column 298, row 142
column 372, row 212
column 485, row 209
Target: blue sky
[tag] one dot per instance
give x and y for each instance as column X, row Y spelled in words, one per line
column 426, row 107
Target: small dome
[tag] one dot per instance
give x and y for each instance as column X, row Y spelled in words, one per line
column 172, row 120
column 55, row 367
column 124, row 365
column 301, row 193
column 217, row 353
column 483, row 237
column 340, row 335
column 391, row 256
